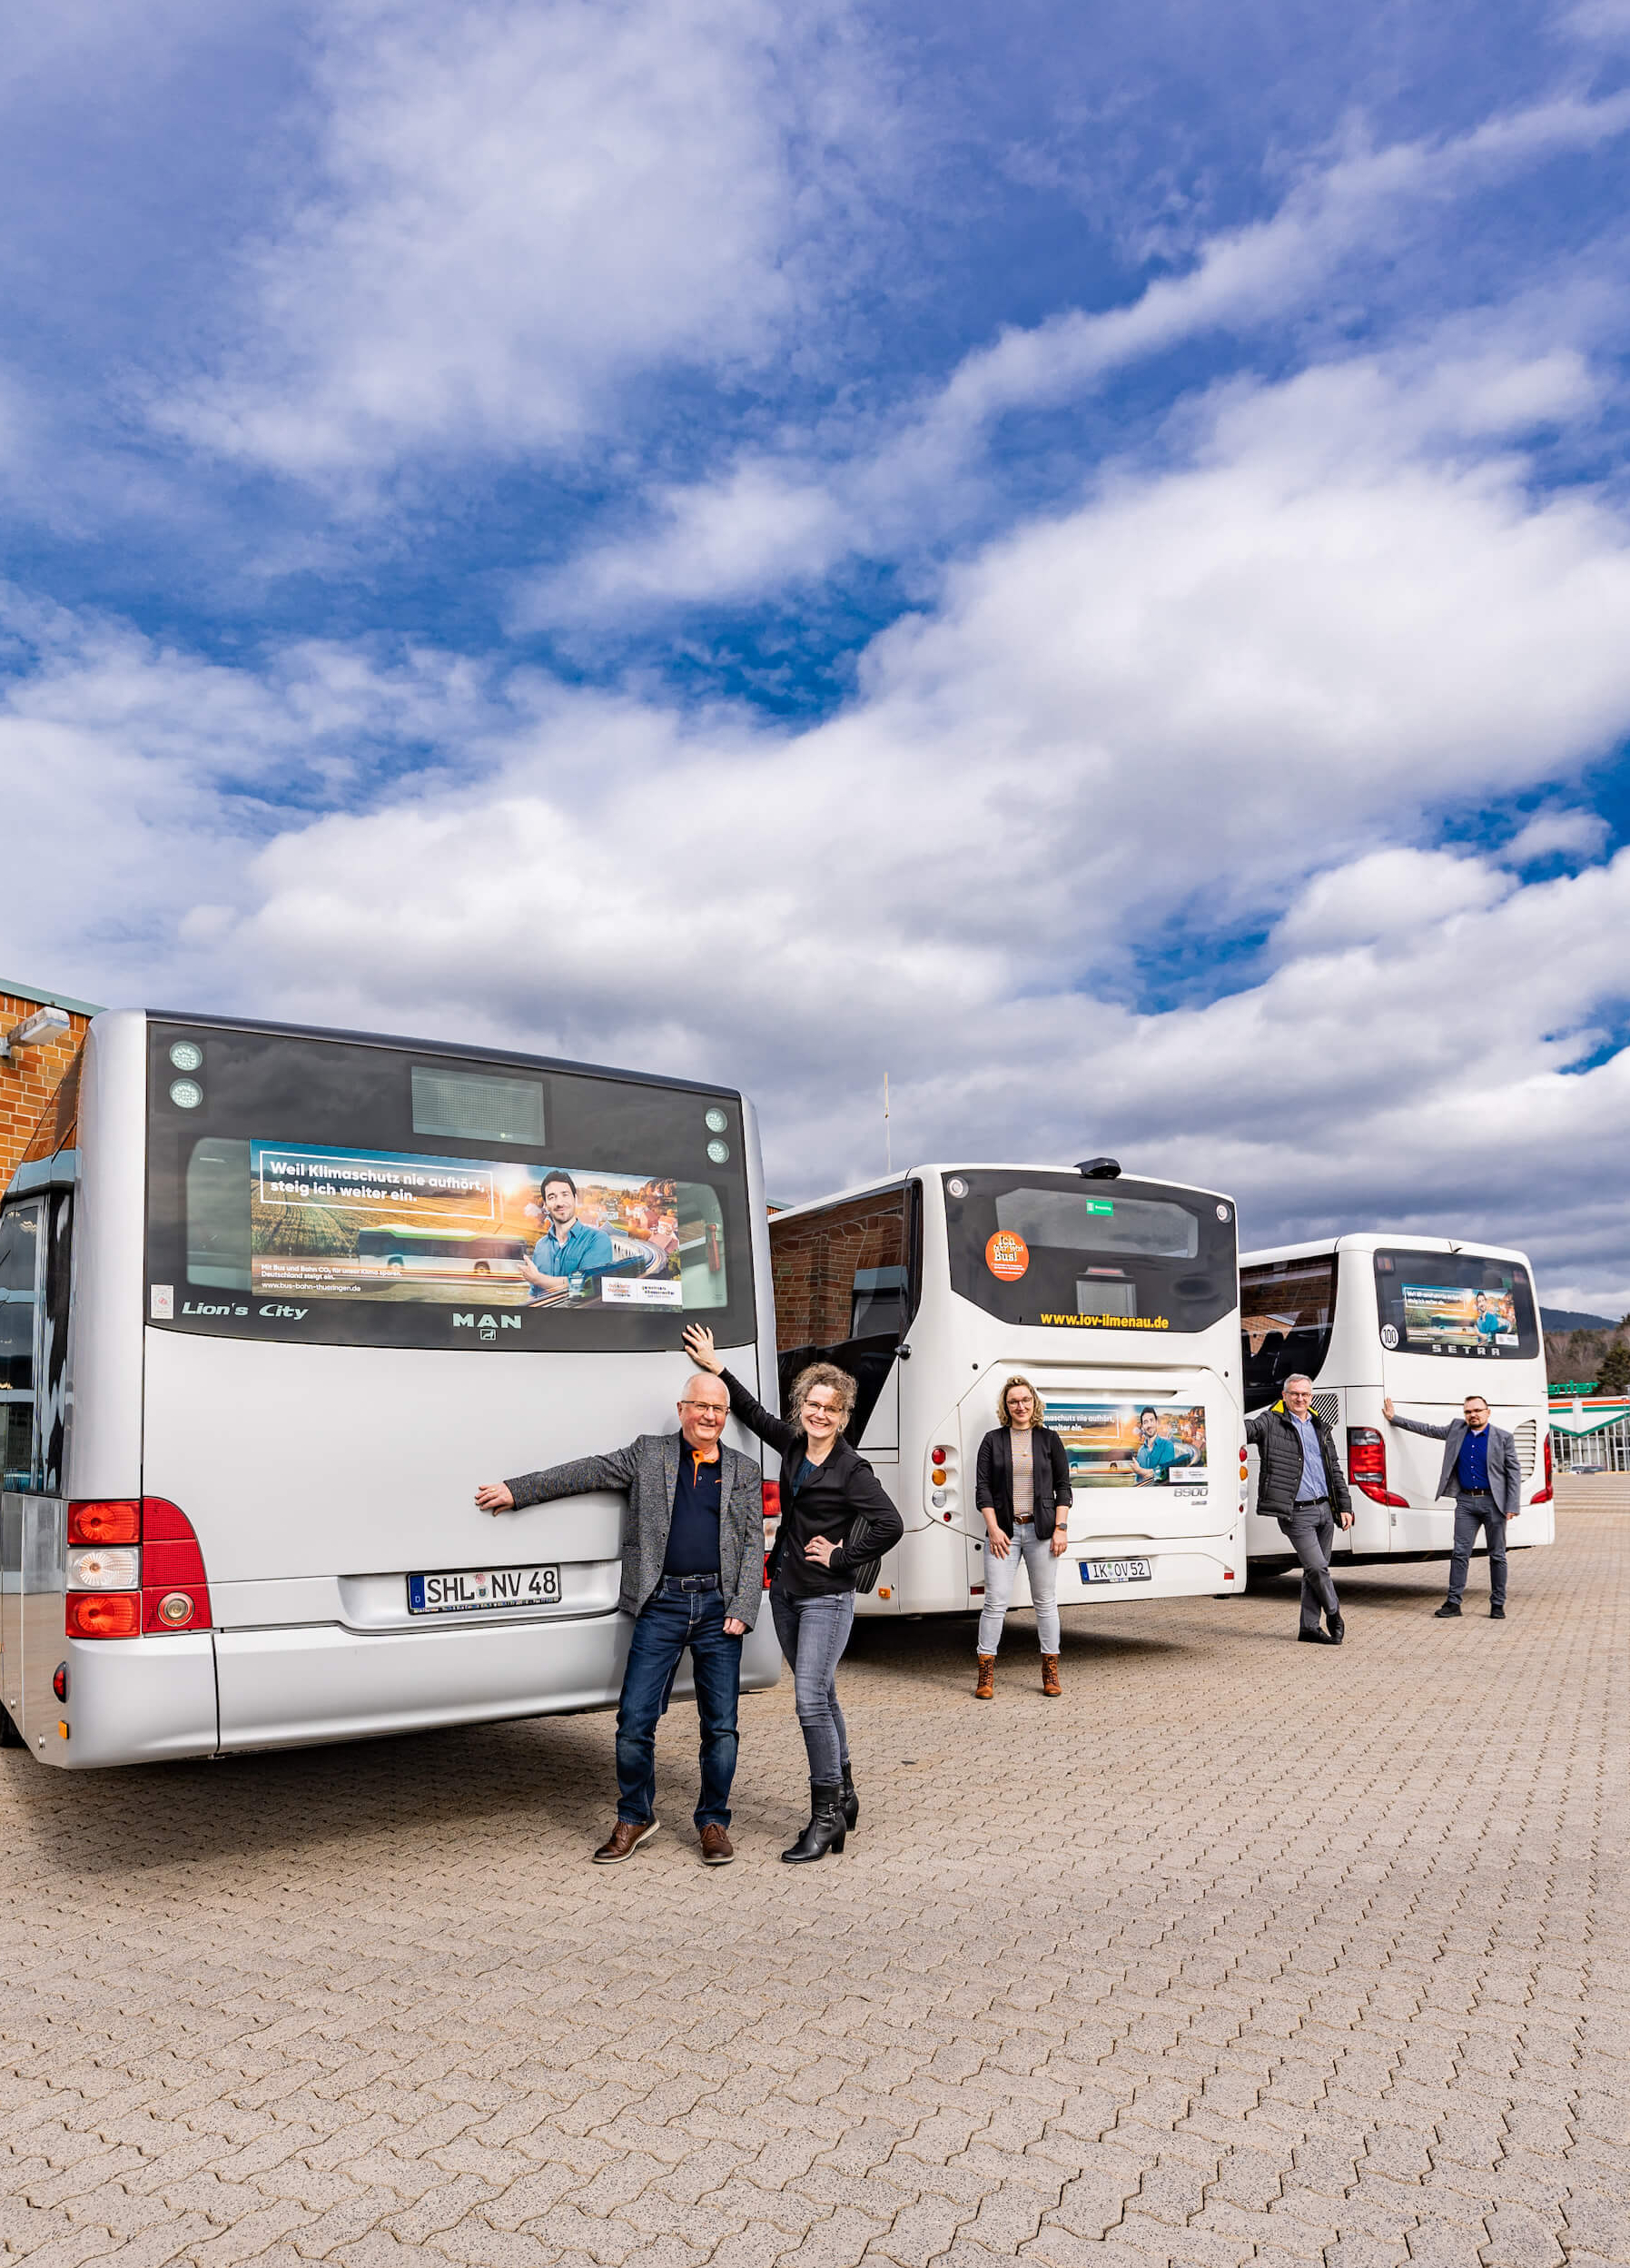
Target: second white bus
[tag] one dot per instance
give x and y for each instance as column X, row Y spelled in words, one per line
column 1425, row 1319
column 1116, row 1298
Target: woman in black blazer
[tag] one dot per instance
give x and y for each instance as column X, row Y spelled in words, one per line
column 1022, row 1485
column 836, row 1520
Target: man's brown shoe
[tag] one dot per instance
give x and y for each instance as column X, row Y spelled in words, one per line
column 624, row 1840
column 1049, row 1675
column 985, row 1690
column 718, row 1851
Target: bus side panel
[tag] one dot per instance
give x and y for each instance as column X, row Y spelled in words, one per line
column 104, row 1455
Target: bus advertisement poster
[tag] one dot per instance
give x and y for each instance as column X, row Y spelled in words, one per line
column 1451, row 1316
column 1130, row 1444
column 380, row 1224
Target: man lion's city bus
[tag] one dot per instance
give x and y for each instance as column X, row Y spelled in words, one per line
column 1116, row 1298
column 1425, row 1319
column 242, row 1447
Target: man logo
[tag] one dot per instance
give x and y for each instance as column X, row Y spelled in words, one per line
column 488, row 1326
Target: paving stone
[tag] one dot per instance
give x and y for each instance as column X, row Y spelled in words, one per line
column 1347, row 1986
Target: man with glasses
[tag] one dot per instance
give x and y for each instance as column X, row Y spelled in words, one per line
column 1484, row 1472
column 693, row 1576
column 1300, row 1483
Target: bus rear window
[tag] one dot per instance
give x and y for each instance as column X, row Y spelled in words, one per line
column 1455, row 1303
column 312, row 1189
column 1053, row 1249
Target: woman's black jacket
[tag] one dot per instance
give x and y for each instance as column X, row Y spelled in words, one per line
column 843, row 1501
column 1050, row 1477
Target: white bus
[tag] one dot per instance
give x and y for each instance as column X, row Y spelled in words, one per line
column 1427, row 1319
column 241, row 1454
column 1116, row 1298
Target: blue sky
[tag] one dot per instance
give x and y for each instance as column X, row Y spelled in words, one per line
column 1078, row 557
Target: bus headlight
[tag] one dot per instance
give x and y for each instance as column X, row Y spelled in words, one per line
column 105, row 1566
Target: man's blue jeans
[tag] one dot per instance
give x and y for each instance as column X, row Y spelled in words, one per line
column 672, row 1619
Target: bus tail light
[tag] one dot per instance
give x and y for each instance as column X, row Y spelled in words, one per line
column 105, row 1519
column 1366, row 1465
column 103, row 1614
column 772, row 1499
column 175, row 1594
column 1543, row 1496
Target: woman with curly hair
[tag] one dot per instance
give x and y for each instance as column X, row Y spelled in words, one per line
column 1022, row 1485
column 834, row 1519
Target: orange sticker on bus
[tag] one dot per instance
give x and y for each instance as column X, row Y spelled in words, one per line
column 1007, row 1256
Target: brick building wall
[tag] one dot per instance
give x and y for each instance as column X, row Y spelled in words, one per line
column 30, row 1078
column 813, row 1265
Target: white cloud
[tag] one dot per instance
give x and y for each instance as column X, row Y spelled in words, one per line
column 520, row 208
column 1556, row 833
column 920, row 474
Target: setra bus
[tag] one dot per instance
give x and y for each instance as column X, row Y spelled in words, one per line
column 241, row 1450
column 1425, row 1319
column 1116, row 1297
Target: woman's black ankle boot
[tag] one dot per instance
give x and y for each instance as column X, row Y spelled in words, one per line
column 851, row 1801
column 826, row 1830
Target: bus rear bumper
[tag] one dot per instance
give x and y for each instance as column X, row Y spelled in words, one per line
column 1199, row 1571
column 294, row 1687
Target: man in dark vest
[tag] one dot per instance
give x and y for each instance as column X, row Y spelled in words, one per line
column 1300, row 1483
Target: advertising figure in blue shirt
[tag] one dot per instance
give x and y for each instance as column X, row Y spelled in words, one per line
column 571, row 1248
column 1483, row 1471
column 1156, row 1452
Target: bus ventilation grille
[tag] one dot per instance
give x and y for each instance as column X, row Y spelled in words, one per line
column 1527, row 1446
column 1327, row 1406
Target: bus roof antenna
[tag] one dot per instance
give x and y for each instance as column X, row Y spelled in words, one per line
column 1100, row 1169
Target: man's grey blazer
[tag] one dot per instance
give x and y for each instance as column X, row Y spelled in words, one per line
column 645, row 1471
column 1505, row 1470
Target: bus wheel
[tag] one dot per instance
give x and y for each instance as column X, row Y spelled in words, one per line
column 10, row 1737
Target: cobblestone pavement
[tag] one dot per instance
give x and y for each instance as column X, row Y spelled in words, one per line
column 1243, row 1950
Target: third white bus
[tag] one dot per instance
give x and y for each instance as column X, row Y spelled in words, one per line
column 1115, row 1297
column 1425, row 1319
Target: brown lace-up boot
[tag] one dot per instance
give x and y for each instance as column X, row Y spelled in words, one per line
column 1050, row 1677
column 985, row 1690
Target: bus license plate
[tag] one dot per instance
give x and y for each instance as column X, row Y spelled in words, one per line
column 1115, row 1572
column 474, row 1591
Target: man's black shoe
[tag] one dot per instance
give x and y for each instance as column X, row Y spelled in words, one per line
column 1317, row 1638
column 1448, row 1611
column 1338, row 1630
column 1497, row 1614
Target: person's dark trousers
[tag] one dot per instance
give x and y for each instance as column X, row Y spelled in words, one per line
column 684, row 1610
column 1473, row 1511
column 1311, row 1530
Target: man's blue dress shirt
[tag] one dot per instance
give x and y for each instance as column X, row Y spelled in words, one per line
column 1313, row 1482
column 582, row 1250
column 1471, row 1469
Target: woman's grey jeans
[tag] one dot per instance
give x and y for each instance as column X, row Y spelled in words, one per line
column 814, row 1633
column 1026, row 1545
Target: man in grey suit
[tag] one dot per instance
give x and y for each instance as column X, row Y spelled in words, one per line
column 1480, row 1465
column 693, row 1575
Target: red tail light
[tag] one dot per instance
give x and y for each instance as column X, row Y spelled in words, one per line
column 1366, row 1465
column 111, row 1519
column 772, row 1499
column 103, row 1614
column 175, row 1595
column 1543, row 1496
